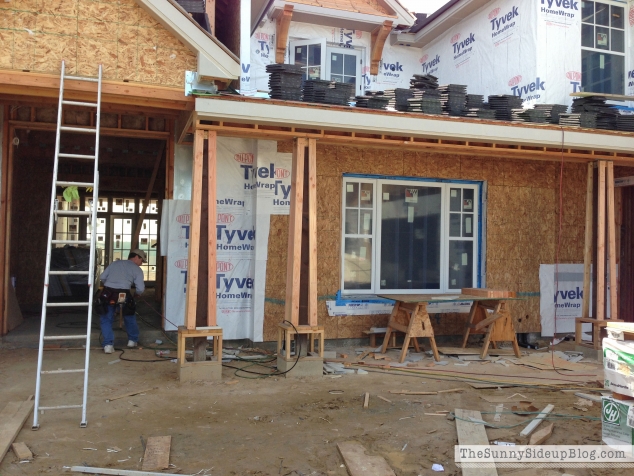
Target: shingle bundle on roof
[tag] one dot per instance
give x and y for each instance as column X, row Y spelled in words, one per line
column 285, row 81
column 537, row 116
column 502, row 104
column 579, row 119
column 373, row 100
column 453, row 98
column 606, row 114
column 552, row 111
column 423, row 81
column 327, row 92
column 625, row 123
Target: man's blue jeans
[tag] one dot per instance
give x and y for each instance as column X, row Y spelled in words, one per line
column 106, row 326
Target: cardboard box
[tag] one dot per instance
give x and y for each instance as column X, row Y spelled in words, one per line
column 618, row 366
column 617, row 421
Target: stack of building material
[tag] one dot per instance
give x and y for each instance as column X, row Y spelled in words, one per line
column 424, row 81
column 373, row 100
column 285, row 81
column 618, row 367
column 475, row 101
column 398, row 98
column 503, row 104
column 426, row 101
column 327, row 92
column 606, row 114
column 583, row 119
column 625, row 123
column 552, row 111
column 537, row 116
column 481, row 113
column 453, row 98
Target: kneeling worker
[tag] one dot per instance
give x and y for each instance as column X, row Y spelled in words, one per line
column 118, row 279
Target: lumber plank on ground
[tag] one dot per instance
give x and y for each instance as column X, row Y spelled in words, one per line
column 538, row 419
column 366, row 400
column 588, row 396
column 157, row 453
column 470, row 433
column 360, row 464
column 117, row 472
column 472, row 351
column 11, row 422
column 22, row 452
column 542, row 435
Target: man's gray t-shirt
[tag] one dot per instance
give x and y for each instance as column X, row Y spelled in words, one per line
column 121, row 274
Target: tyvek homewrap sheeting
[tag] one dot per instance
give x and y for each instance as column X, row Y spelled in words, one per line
column 254, row 182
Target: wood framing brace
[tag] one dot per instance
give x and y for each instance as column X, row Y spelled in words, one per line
column 587, row 248
column 5, row 152
column 379, row 35
column 600, row 263
column 614, row 305
column 312, row 232
column 212, row 216
column 282, row 25
column 294, row 265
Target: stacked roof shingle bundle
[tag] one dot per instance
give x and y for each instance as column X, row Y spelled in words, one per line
column 424, row 81
column 476, row 107
column 373, row 100
column 552, row 111
column 579, row 119
column 453, row 98
column 537, row 116
column 606, row 115
column 426, row 101
column 625, row 123
column 503, row 104
column 285, row 81
column 327, row 92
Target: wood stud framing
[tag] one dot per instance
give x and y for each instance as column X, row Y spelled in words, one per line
column 379, row 35
column 211, row 235
column 611, row 242
column 282, row 24
column 587, row 248
column 600, row 264
column 312, row 232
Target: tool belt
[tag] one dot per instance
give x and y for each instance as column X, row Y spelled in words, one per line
column 112, row 297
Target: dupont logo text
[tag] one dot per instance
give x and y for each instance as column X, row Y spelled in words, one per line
column 503, row 23
column 282, row 173
column 225, row 218
column 183, row 219
column 430, row 66
column 244, row 158
column 575, row 80
column 528, row 91
column 181, row 264
column 563, row 8
column 494, row 13
column 223, row 266
column 515, row 80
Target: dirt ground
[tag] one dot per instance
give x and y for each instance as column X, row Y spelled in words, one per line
column 272, row 426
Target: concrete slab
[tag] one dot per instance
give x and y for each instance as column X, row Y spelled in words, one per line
column 306, row 367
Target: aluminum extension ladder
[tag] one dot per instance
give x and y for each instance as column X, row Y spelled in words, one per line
column 52, row 242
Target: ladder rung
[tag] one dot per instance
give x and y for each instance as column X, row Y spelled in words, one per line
column 61, row 183
column 84, row 130
column 70, row 242
column 67, row 304
column 67, row 273
column 60, row 407
column 64, row 337
column 62, row 371
column 79, row 103
column 82, row 78
column 76, row 156
column 74, row 212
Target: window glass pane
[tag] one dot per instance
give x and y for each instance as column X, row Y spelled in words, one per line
column 467, row 225
column 410, row 237
column 618, row 40
column 366, row 222
column 455, row 199
column 314, row 54
column 350, row 65
column 460, row 264
column 336, row 63
column 587, row 12
column 313, row 72
column 357, row 263
column 367, row 195
column 602, row 14
column 602, row 72
column 454, row 224
column 602, row 36
column 352, row 194
column 618, row 17
column 337, row 78
column 352, row 221
column 301, row 55
column 467, row 200
column 587, row 35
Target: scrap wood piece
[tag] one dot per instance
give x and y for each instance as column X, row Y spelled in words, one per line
column 157, row 453
column 12, row 420
column 359, row 464
column 472, row 351
column 407, row 392
column 22, row 452
column 587, row 396
column 538, row 419
column 366, row 400
column 130, row 394
column 470, row 433
column 500, row 399
column 384, row 399
column 117, row 472
column 542, row 435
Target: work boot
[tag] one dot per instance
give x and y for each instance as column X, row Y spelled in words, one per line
column 131, row 344
column 108, row 349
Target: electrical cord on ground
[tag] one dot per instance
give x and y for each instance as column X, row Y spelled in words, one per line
column 550, row 416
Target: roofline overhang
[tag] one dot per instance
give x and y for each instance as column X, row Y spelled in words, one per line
column 263, row 112
column 215, row 61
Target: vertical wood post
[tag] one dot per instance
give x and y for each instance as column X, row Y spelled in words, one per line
column 312, row 232
column 7, row 156
column 612, row 242
column 600, row 264
column 587, row 248
column 194, row 232
column 211, row 224
column 148, row 196
column 293, row 268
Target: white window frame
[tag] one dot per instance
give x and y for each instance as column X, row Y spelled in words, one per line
column 445, row 238
column 319, row 41
column 346, row 51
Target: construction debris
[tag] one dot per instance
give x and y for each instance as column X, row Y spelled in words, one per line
column 535, row 423
column 22, row 452
column 359, row 464
column 12, row 420
column 542, row 435
column 130, row 394
column 157, row 453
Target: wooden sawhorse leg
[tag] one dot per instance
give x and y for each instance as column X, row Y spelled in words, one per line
column 500, row 328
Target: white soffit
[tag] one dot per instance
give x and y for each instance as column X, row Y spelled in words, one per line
column 439, row 26
column 214, row 59
column 263, row 112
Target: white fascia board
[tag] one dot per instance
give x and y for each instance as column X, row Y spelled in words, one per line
column 213, row 61
column 330, row 16
column 404, row 125
column 404, row 17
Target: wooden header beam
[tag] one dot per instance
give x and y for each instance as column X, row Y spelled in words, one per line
column 379, row 35
column 282, row 25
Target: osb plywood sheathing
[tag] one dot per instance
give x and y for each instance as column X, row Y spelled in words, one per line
column 131, row 45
